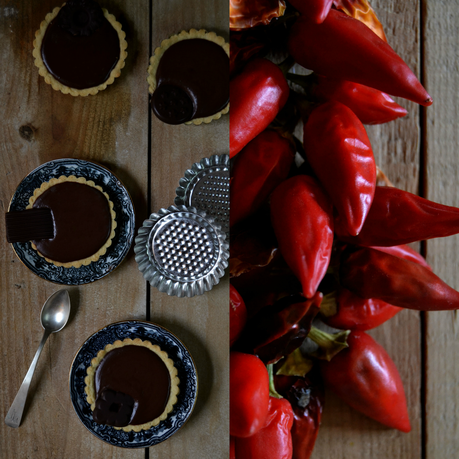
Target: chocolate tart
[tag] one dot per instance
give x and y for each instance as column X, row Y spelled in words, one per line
column 188, row 78
column 131, row 385
column 83, row 218
column 80, row 48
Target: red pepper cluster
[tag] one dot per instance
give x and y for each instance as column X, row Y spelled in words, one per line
column 312, row 234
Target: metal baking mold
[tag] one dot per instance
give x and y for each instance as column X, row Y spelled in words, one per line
column 206, row 186
column 181, row 251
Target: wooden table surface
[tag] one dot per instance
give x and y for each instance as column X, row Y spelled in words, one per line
column 116, row 129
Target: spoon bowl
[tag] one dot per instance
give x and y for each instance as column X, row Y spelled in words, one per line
column 54, row 316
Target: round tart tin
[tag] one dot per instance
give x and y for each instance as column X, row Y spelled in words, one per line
column 206, row 186
column 181, row 251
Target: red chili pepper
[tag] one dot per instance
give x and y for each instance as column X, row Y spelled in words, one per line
column 242, row 48
column 345, row 48
column 405, row 252
column 232, row 448
column 249, row 394
column 370, row 105
column 301, row 215
column 307, row 400
column 274, row 441
column 262, row 165
column 238, row 314
column 398, row 217
column 371, row 273
column 257, row 94
column 250, row 13
column 366, row 378
column 333, row 135
column 315, row 10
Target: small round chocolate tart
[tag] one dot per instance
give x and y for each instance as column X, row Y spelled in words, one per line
column 80, row 48
column 188, row 78
column 131, row 384
column 83, row 219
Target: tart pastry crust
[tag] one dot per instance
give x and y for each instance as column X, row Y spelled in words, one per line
column 58, row 86
column 184, row 35
column 85, row 261
column 174, row 380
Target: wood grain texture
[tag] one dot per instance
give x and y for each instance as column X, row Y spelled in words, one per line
column 441, row 44
column 39, row 125
column 201, row 322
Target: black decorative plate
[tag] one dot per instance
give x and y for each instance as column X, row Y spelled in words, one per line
column 122, row 205
column 182, row 361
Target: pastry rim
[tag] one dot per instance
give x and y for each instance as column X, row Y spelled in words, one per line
column 102, row 251
column 174, row 380
column 58, row 86
column 166, row 44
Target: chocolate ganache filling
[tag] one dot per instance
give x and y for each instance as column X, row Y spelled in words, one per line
column 80, row 47
column 133, row 382
column 192, row 81
column 82, row 221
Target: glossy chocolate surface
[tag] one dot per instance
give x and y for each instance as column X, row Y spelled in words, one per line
column 81, row 61
column 82, row 221
column 136, row 372
column 199, row 68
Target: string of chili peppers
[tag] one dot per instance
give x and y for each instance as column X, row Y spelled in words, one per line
column 318, row 237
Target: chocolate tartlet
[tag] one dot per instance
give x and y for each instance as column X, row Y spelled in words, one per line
column 188, row 78
column 132, row 385
column 80, row 48
column 83, row 218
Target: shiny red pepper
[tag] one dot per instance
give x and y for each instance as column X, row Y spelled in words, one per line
column 315, row 10
column 256, row 94
column 249, row 394
column 301, row 215
column 356, row 313
column 370, row 105
column 339, row 151
column 238, row 314
column 366, row 378
column 371, row 273
column 345, row 48
column 262, row 165
column 307, row 400
column 398, row 217
column 274, row 441
column 242, row 48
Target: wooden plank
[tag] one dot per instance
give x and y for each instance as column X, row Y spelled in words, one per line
column 441, row 56
column 201, row 322
column 344, row 432
column 40, row 124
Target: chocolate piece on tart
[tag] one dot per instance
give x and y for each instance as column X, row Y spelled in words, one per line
column 83, row 218
column 80, row 48
column 188, row 78
column 131, row 384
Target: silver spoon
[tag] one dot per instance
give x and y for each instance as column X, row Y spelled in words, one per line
column 54, row 315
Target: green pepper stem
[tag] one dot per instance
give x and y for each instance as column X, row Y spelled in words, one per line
column 272, row 389
column 329, row 344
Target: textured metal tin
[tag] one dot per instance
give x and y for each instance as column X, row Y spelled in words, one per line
column 181, row 251
column 206, row 187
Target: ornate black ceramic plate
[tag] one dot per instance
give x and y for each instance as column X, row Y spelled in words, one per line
column 122, row 205
column 176, row 351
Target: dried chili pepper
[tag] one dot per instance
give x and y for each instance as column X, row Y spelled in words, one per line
column 249, row 394
column 366, row 378
column 274, row 440
column 315, row 10
column 232, row 448
column 345, row 48
column 262, row 165
column 243, row 47
column 301, row 215
column 307, row 399
column 398, row 217
column 371, row 273
column 257, row 94
column 250, row 13
column 279, row 329
column 238, row 314
column 333, row 135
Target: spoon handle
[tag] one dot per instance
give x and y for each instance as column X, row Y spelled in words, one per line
column 14, row 415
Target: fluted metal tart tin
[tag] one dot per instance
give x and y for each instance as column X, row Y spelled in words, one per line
column 181, row 251
column 205, row 186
